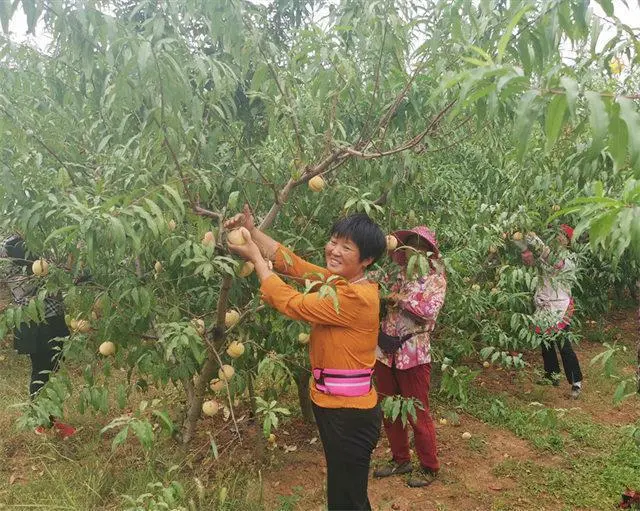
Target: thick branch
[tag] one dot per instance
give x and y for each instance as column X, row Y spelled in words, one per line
column 294, row 119
column 407, row 145
column 376, row 85
column 205, row 212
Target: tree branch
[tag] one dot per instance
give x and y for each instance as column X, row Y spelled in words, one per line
column 376, row 85
column 294, row 119
column 198, row 210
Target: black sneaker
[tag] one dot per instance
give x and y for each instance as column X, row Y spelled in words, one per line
column 393, row 468
column 423, row 478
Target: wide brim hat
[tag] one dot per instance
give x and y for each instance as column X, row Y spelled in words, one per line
column 424, row 233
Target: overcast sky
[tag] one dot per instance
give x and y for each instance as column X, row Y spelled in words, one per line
column 629, row 15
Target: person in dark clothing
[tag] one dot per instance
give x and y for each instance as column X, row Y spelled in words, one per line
column 41, row 341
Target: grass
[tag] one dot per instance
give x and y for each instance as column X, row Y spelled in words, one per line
column 582, row 463
column 84, row 473
column 578, row 460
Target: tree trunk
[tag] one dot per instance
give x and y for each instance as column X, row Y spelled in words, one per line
column 301, row 376
column 210, row 365
column 252, row 395
column 195, row 403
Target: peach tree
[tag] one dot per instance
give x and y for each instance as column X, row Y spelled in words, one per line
column 143, row 125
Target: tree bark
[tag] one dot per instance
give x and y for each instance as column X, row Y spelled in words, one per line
column 252, row 395
column 210, row 364
column 301, row 377
column 195, row 403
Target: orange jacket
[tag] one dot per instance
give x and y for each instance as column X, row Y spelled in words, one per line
column 346, row 339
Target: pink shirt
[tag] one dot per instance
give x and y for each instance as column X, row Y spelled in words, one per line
column 416, row 311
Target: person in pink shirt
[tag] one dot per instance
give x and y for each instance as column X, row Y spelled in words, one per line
column 403, row 365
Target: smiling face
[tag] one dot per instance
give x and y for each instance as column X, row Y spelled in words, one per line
column 342, row 258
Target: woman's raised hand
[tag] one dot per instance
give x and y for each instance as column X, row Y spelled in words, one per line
column 244, row 219
column 243, row 245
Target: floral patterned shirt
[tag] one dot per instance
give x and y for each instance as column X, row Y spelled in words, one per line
column 416, row 311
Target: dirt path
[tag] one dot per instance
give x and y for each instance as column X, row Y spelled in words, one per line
column 468, row 479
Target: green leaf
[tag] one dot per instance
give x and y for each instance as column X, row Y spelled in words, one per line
column 121, row 396
column 287, row 257
column 630, row 116
column 120, row 438
column 147, row 218
column 475, row 62
column 487, row 58
column 618, row 395
column 144, row 432
column 214, row 447
column 618, row 137
column 103, row 143
column 508, row 33
column 598, row 119
column 144, row 52
column 233, row 200
column 176, row 197
column 32, row 12
column 634, row 232
column 607, row 6
column 571, row 91
column 525, row 55
column 266, row 425
column 117, row 231
column 165, row 420
column 60, row 231
column 412, row 264
column 554, row 120
column 600, row 229
column 155, row 209
column 397, row 405
column 6, row 11
column 526, row 115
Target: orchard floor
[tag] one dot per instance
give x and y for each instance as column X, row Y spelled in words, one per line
column 531, row 449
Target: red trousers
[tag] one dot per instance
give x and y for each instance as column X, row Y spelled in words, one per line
column 412, row 382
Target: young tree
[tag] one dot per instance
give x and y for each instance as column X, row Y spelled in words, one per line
column 147, row 123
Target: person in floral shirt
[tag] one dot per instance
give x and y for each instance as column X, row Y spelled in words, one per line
column 403, row 365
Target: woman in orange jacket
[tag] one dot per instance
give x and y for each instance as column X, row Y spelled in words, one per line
column 342, row 349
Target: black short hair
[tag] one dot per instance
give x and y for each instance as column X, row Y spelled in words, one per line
column 364, row 232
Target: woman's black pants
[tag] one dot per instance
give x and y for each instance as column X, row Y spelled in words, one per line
column 569, row 358
column 348, row 436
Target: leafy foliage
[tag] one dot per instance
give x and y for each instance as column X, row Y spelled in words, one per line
column 144, row 122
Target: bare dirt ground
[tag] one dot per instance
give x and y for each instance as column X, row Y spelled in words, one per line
column 467, row 480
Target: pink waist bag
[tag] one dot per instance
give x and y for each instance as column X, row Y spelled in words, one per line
column 343, row 382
